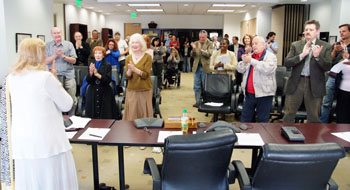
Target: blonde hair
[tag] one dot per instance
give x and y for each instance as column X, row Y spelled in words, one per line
column 176, row 52
column 31, row 55
column 137, row 37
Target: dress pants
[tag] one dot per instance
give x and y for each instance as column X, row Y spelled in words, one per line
column 327, row 100
column 293, row 102
column 198, row 82
column 343, row 106
column 261, row 105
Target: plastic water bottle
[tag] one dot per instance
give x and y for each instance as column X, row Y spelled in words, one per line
column 184, row 122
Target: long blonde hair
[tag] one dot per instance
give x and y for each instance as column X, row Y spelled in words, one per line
column 31, row 55
column 176, row 52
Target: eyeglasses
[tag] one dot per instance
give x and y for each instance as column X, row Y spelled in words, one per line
column 147, row 130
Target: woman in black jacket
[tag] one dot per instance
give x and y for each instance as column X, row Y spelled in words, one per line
column 100, row 102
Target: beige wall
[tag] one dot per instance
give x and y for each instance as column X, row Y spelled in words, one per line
column 277, row 26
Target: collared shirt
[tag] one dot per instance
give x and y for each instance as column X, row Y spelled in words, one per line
column 274, row 45
column 306, row 69
column 250, row 85
column 122, row 46
column 62, row 67
column 216, row 45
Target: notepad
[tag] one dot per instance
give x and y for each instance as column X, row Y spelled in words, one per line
column 78, row 122
column 214, row 104
column 343, row 135
column 70, row 134
column 162, row 135
column 94, row 133
column 249, row 139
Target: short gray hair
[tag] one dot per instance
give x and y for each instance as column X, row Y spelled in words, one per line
column 137, row 37
column 203, row 32
column 260, row 39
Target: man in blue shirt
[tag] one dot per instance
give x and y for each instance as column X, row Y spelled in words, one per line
column 270, row 44
column 62, row 54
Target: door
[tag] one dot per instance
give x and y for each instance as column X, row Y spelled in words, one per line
column 132, row 28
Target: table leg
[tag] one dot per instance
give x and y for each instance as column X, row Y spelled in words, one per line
column 121, row 167
column 95, row 165
column 254, row 157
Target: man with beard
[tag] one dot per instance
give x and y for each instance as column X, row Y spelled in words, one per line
column 309, row 60
column 270, row 44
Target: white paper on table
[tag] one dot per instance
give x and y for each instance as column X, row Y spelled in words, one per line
column 162, row 135
column 343, row 135
column 252, row 139
column 339, row 66
column 70, row 134
column 214, row 104
column 78, row 122
column 94, row 133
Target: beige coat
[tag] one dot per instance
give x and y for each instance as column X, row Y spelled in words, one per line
column 228, row 68
column 202, row 55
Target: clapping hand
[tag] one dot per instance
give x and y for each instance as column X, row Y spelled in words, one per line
column 345, row 54
column 316, row 50
column 92, row 69
column 131, row 66
column 58, row 52
column 218, row 65
column 246, row 58
column 108, row 52
column 193, row 45
column 306, row 49
column 53, row 68
column 248, row 49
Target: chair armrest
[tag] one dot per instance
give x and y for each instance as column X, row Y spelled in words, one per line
column 150, row 167
column 233, row 102
column 332, row 185
column 242, row 176
column 231, row 174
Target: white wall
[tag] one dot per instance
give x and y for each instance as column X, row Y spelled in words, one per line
column 116, row 22
column 95, row 21
column 322, row 12
column 263, row 21
column 3, row 49
column 22, row 16
column 232, row 25
column 58, row 10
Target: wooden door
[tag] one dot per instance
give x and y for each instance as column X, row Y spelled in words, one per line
column 248, row 27
column 132, row 28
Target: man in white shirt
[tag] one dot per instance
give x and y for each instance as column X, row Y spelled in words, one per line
column 124, row 49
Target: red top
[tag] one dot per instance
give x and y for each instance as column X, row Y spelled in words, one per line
column 175, row 44
column 250, row 85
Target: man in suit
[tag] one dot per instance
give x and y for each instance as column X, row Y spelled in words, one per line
column 309, row 60
column 235, row 45
column 201, row 53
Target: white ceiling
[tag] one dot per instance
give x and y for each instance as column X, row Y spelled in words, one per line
column 176, row 7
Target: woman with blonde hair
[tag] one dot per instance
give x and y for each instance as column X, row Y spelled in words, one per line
column 172, row 66
column 138, row 102
column 35, row 130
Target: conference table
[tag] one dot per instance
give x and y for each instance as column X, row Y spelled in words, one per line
column 124, row 133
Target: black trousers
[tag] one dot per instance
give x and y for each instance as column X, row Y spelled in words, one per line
column 343, row 106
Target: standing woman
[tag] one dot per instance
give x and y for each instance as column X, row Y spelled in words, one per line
column 138, row 102
column 148, row 44
column 100, row 102
column 246, row 49
column 112, row 53
column 40, row 147
column 158, row 61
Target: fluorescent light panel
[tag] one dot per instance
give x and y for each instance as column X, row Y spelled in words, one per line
column 221, row 11
column 144, row 5
column 228, row 5
column 149, row 10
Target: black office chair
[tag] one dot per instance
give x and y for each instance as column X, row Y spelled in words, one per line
column 292, row 167
column 195, row 162
column 156, row 98
column 217, row 88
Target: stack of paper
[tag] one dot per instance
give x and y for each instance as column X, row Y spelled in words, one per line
column 343, row 135
column 78, row 122
column 249, row 139
column 70, row 134
column 94, row 133
column 164, row 134
column 214, row 104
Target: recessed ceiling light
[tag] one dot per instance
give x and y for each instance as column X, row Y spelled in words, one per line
column 221, row 11
column 228, row 5
column 99, row 11
column 186, row 5
column 149, row 10
column 303, row 0
column 128, row 10
column 253, row 6
column 242, row 11
column 89, row 7
column 144, row 5
column 118, row 5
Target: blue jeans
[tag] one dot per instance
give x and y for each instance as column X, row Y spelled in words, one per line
column 262, row 106
column 327, row 100
column 187, row 64
column 198, row 81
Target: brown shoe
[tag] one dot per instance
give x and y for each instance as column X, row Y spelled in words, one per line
column 195, row 105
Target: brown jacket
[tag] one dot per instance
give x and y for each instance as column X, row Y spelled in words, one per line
column 202, row 56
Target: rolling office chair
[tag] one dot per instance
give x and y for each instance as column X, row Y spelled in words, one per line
column 292, row 166
column 195, row 162
column 217, row 88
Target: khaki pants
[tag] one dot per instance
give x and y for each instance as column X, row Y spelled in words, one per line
column 293, row 102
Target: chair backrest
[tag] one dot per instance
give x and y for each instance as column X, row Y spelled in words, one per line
column 80, row 73
column 217, row 88
column 115, row 74
column 298, row 166
column 154, row 85
column 197, row 161
column 281, row 72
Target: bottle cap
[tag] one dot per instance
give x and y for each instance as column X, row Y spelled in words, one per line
column 185, row 111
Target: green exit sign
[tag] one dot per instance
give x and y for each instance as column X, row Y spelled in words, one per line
column 78, row 3
column 133, row 15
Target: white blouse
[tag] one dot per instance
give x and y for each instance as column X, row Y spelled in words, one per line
column 38, row 100
column 345, row 82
